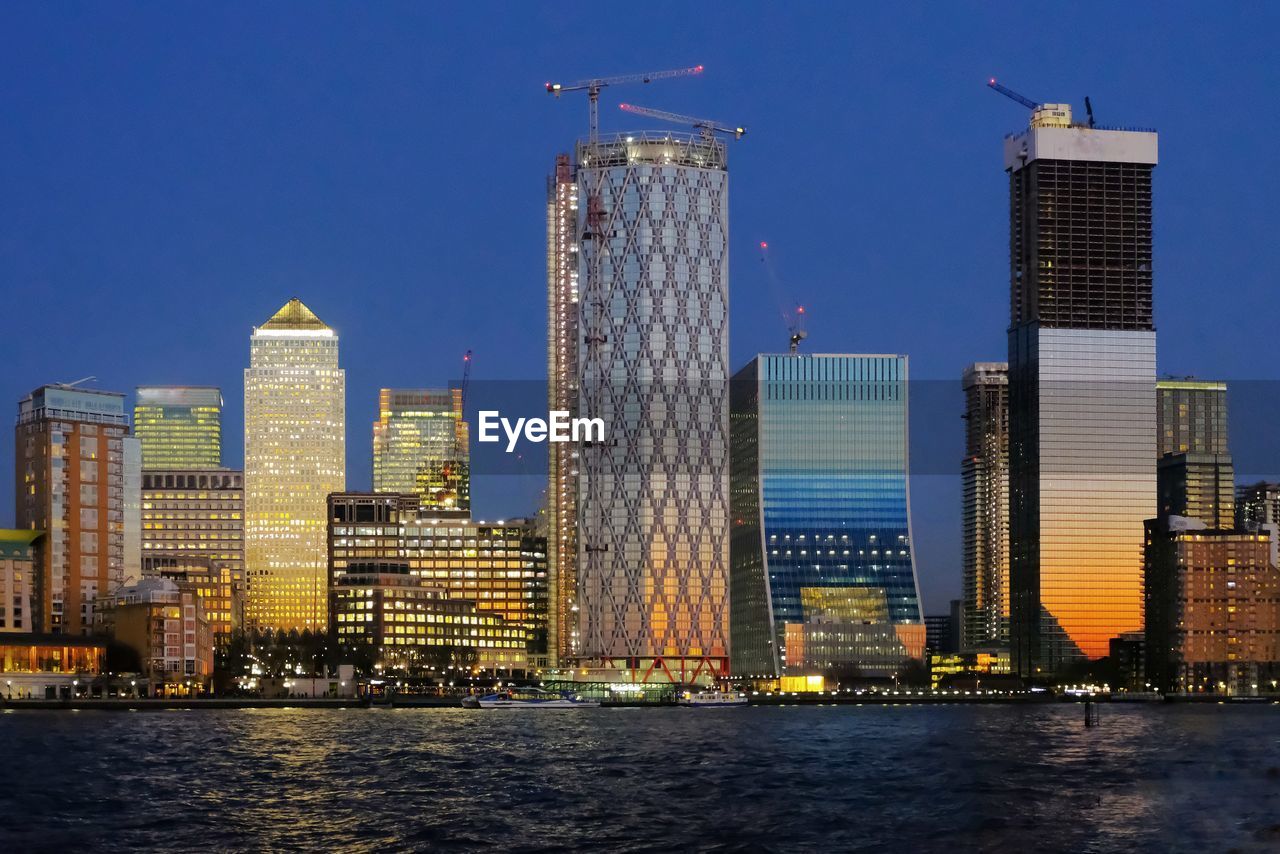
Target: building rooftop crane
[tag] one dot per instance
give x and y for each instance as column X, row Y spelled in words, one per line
column 708, row 127
column 78, row 382
column 796, row 328
column 466, row 378
column 1009, row 93
column 1042, row 115
column 593, row 86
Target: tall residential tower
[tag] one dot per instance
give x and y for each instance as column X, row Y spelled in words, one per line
column 984, row 473
column 1082, row 377
column 70, row 477
column 294, row 456
column 562, row 396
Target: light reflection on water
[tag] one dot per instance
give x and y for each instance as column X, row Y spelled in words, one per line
column 848, row 778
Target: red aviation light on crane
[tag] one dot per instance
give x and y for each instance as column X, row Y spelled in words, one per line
column 764, row 244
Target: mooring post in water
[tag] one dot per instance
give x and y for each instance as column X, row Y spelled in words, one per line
column 1090, row 713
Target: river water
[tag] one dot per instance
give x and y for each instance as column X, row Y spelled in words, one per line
column 911, row 778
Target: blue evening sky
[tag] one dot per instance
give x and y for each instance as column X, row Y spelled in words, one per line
column 170, row 174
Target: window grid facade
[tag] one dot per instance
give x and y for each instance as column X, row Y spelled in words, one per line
column 823, row 565
column 420, row 446
column 984, row 476
column 563, row 331
column 180, row 427
column 500, row 567
column 70, row 475
column 193, row 523
column 1082, row 408
column 294, row 456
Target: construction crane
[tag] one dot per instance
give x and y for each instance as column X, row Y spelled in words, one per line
column 593, row 86
column 707, row 127
column 460, row 435
column 796, row 328
column 1009, row 93
column 466, row 378
column 80, row 381
column 1043, row 115
column 793, row 318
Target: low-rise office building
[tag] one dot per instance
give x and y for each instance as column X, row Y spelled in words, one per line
column 500, row 567
column 412, row 624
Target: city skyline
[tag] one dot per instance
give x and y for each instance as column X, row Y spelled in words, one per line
column 921, row 493
column 1198, row 204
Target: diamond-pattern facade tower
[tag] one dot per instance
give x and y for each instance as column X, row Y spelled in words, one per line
column 653, row 353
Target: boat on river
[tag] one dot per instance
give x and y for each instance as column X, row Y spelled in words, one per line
column 700, row 699
column 528, row 698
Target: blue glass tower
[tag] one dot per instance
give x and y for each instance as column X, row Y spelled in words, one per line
column 823, row 572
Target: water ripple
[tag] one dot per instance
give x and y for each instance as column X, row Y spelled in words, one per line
column 1181, row 778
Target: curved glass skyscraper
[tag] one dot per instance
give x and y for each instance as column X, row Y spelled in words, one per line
column 823, row 565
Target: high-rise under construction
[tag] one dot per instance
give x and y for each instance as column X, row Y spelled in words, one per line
column 1082, row 379
column 653, row 356
column 562, row 396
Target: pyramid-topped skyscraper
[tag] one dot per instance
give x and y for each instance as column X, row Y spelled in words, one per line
column 294, row 456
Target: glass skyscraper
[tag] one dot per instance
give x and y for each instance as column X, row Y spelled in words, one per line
column 180, row 427
column 420, row 447
column 294, row 456
column 823, row 564
column 1082, row 383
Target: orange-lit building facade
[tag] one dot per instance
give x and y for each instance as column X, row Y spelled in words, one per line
column 70, row 477
column 1082, row 387
column 1213, row 609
